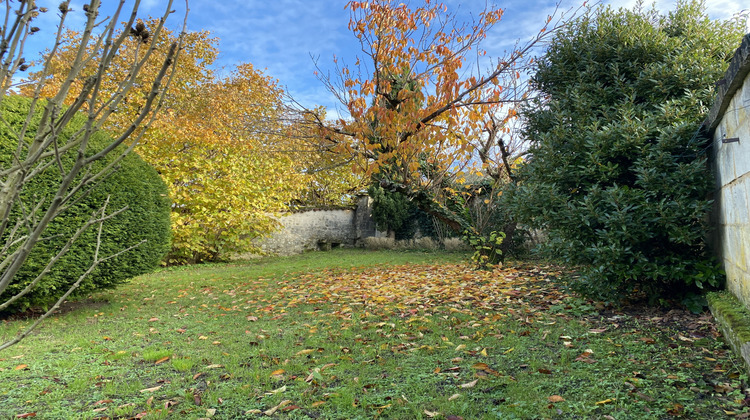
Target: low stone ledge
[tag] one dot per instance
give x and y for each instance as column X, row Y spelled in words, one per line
column 734, row 321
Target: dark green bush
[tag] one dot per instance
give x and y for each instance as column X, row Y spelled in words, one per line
column 134, row 184
column 617, row 174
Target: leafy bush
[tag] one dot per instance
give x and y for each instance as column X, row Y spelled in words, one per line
column 617, row 173
column 134, row 184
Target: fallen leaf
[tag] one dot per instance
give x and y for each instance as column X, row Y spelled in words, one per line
column 555, row 399
column 305, row 351
column 162, row 360
column 607, row 401
column 21, row 367
column 25, row 415
column 276, row 391
column 317, row 404
column 214, row 366
column 453, row 397
column 277, row 372
column 150, row 389
column 431, row 413
column 271, row 411
column 469, row 384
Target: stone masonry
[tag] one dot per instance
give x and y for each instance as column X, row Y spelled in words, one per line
column 729, row 126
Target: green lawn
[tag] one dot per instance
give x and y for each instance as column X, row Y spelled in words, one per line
column 362, row 334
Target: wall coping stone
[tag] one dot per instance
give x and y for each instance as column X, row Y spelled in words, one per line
column 732, row 81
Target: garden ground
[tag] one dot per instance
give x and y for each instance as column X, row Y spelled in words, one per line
column 342, row 334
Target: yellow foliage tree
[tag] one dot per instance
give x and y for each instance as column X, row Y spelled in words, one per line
column 215, row 144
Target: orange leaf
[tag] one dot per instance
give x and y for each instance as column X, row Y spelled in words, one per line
column 21, row 367
column 555, row 399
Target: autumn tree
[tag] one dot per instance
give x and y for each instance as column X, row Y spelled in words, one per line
column 221, row 145
column 418, row 119
column 47, row 138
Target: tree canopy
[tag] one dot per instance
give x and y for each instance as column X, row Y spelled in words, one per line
column 225, row 145
column 419, row 118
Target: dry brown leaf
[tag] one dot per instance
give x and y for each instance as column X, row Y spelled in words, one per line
column 555, row 399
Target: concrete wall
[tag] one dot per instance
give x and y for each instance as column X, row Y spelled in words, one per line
column 729, row 126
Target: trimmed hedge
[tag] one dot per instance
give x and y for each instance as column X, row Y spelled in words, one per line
column 134, row 184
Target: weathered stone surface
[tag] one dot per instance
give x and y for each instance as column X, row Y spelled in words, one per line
column 322, row 229
column 729, row 126
column 730, row 161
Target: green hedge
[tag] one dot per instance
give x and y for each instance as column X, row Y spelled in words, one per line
column 134, row 184
column 616, row 173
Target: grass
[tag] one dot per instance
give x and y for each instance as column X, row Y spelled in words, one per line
column 343, row 334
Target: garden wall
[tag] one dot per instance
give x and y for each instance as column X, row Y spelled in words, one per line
column 729, row 126
column 322, row 229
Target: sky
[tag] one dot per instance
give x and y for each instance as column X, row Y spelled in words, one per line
column 285, row 38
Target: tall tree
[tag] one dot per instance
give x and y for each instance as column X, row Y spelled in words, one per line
column 617, row 171
column 53, row 138
column 418, row 120
column 220, row 144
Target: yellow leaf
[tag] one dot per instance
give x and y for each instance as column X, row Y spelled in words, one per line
column 607, row 401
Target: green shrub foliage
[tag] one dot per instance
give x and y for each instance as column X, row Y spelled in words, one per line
column 617, row 172
column 134, row 184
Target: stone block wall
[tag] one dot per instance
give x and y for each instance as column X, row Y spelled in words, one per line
column 310, row 230
column 729, row 126
column 322, row 229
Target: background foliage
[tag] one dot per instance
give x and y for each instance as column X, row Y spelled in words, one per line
column 617, row 173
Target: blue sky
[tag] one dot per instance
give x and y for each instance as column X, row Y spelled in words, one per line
column 281, row 36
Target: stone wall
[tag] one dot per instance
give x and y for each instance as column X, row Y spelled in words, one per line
column 322, row 229
column 729, row 127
